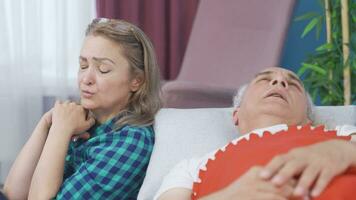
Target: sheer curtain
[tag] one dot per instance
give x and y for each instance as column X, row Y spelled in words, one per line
column 40, row 42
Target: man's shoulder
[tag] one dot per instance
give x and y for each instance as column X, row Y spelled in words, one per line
column 345, row 130
column 184, row 173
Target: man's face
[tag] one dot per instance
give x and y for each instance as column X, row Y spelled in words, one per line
column 277, row 93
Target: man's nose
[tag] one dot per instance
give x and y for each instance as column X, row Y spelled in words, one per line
column 279, row 81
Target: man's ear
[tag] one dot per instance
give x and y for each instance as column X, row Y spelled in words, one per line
column 235, row 116
column 308, row 121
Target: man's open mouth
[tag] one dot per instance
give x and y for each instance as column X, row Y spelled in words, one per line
column 277, row 95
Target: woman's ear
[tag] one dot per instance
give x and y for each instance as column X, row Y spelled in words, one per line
column 136, row 83
column 235, row 116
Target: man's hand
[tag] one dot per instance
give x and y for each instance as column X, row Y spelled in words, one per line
column 251, row 186
column 315, row 165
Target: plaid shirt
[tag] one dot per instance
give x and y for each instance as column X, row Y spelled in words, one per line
column 110, row 165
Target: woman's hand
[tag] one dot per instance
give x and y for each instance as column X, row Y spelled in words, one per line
column 70, row 117
column 47, row 118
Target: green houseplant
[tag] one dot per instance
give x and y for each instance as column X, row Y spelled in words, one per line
column 330, row 72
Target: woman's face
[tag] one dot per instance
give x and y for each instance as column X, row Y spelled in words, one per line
column 104, row 77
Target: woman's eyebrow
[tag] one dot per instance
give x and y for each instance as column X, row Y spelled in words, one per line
column 97, row 59
column 103, row 59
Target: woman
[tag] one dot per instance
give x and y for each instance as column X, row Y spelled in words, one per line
column 99, row 149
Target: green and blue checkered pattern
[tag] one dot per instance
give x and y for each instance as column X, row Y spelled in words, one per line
column 110, row 165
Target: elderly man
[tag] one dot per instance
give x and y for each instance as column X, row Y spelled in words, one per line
column 274, row 99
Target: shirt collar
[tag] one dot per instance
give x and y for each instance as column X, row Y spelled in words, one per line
column 272, row 129
column 105, row 127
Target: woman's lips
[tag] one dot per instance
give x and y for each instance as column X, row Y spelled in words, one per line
column 87, row 94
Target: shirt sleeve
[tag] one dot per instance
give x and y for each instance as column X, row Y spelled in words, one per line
column 114, row 168
column 68, row 168
column 345, row 130
column 178, row 177
column 184, row 174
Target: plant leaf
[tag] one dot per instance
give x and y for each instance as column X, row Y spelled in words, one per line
column 315, row 68
column 307, row 15
column 302, row 70
column 310, row 26
column 327, row 46
column 318, row 29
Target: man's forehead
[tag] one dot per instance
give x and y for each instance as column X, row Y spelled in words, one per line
column 274, row 70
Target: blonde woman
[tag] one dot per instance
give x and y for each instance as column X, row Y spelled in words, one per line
column 100, row 148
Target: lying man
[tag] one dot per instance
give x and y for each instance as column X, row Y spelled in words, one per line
column 274, row 99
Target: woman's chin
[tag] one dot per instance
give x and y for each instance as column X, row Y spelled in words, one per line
column 88, row 105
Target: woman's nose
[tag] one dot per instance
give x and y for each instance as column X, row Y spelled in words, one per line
column 88, row 76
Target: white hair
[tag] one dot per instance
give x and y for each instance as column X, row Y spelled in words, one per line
column 237, row 99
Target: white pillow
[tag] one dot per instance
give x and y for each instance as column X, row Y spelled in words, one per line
column 186, row 133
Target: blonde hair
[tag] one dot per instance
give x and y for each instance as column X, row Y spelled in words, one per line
column 139, row 52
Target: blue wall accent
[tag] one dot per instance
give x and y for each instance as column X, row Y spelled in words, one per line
column 296, row 48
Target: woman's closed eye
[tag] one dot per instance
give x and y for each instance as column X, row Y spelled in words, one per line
column 83, row 66
column 104, row 69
